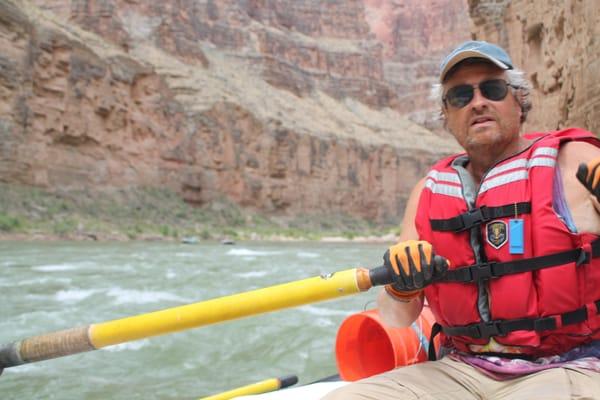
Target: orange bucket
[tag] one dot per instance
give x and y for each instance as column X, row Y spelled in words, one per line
column 366, row 346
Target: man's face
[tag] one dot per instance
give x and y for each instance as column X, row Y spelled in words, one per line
column 482, row 122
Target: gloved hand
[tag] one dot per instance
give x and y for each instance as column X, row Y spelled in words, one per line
column 589, row 175
column 414, row 266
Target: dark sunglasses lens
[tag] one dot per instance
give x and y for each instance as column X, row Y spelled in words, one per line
column 459, row 96
column 494, row 90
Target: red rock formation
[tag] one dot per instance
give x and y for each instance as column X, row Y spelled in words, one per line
column 556, row 43
column 299, row 45
column 76, row 111
column 384, row 53
column 416, row 35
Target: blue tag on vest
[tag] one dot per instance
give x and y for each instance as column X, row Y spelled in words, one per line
column 515, row 236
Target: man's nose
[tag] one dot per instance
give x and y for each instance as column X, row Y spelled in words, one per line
column 478, row 100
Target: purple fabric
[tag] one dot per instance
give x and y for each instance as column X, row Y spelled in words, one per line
column 499, row 368
column 560, row 203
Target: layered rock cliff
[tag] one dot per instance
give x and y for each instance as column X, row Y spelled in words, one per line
column 556, row 43
column 278, row 105
column 298, row 46
column 416, row 35
column 154, row 106
column 384, row 53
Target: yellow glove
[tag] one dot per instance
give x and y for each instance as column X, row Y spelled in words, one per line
column 414, row 265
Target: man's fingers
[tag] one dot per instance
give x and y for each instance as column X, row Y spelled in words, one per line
column 416, row 273
column 594, row 176
column 582, row 173
column 407, row 281
column 589, row 174
column 427, row 267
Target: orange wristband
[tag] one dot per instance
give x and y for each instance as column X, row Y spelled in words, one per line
column 402, row 296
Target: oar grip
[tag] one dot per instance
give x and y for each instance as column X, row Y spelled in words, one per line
column 380, row 276
column 45, row 347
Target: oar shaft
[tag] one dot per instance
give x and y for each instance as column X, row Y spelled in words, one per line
column 95, row 336
column 225, row 308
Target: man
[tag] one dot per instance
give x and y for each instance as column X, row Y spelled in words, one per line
column 516, row 219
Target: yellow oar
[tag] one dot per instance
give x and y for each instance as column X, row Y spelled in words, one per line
column 96, row 336
column 268, row 385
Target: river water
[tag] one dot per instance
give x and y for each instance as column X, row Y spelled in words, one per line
column 52, row 286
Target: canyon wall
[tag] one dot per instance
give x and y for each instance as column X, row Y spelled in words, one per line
column 557, row 44
column 416, row 35
column 298, row 46
column 384, row 53
column 278, row 105
column 138, row 100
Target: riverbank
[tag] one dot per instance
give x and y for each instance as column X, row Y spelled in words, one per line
column 120, row 237
column 150, row 214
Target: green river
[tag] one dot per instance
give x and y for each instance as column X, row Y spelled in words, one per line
column 49, row 286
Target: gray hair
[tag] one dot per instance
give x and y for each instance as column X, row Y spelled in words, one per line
column 519, row 86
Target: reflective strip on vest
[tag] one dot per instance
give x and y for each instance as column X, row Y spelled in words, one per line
column 542, row 157
column 435, row 179
column 443, row 176
column 545, row 151
column 503, row 180
column 541, row 162
column 516, row 164
column 440, row 188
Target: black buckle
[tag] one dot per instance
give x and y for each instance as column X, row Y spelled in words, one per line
column 481, row 271
column 488, row 329
column 544, row 324
column 583, row 258
column 471, row 218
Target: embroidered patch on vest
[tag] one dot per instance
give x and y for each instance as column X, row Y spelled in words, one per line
column 496, row 233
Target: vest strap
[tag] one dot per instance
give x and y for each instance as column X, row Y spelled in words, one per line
column 485, row 330
column 431, row 352
column 488, row 270
column 476, row 216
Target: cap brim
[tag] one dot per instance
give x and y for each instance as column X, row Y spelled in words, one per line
column 463, row 55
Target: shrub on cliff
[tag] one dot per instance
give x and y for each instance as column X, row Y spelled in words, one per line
column 9, row 223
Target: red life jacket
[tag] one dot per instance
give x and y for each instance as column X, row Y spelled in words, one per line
column 544, row 301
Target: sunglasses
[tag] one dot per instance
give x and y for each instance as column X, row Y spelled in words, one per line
column 461, row 95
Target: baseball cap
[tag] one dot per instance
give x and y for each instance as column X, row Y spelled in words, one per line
column 475, row 49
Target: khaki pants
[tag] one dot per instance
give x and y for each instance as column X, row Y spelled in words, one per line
column 447, row 379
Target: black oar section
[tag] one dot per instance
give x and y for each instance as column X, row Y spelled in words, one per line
column 380, row 276
column 287, row 381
